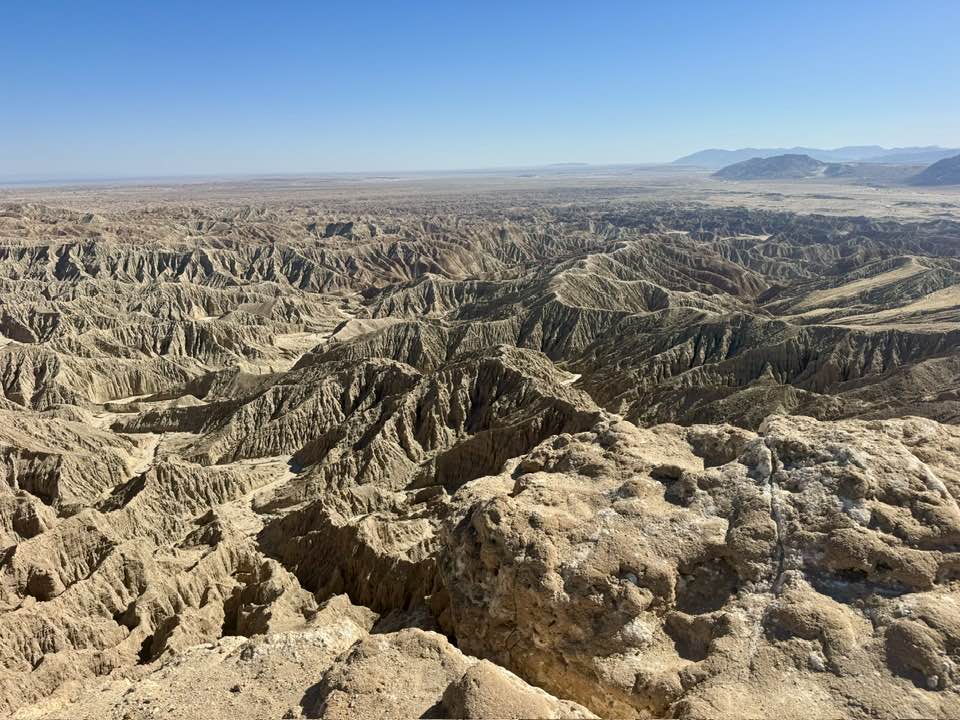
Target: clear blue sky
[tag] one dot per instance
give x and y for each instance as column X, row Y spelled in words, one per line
column 167, row 87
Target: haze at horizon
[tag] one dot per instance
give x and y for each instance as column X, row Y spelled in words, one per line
column 117, row 89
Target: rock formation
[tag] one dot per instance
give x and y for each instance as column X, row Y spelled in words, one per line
column 508, row 457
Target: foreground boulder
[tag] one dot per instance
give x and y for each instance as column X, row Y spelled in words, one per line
column 413, row 673
column 807, row 570
column 331, row 667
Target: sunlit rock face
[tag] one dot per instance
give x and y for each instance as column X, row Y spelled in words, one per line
column 589, row 457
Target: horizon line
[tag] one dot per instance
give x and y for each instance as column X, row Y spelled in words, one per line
column 82, row 179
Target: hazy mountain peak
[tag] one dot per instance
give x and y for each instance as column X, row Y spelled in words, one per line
column 942, row 172
column 778, row 167
column 717, row 158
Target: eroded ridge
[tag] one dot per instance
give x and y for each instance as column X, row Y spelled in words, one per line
column 572, row 459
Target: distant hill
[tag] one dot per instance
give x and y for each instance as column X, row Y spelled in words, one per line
column 779, row 167
column 943, row 172
column 716, row 158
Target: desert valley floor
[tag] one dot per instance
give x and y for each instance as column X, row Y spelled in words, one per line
column 622, row 443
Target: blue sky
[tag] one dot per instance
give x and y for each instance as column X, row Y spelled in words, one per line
column 108, row 89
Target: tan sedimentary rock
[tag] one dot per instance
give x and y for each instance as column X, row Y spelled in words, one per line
column 801, row 571
column 327, row 667
column 358, row 461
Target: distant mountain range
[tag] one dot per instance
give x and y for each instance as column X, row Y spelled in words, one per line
column 797, row 166
column 715, row 158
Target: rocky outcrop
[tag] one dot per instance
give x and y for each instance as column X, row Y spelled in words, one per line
column 692, row 572
column 408, row 673
column 563, row 459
